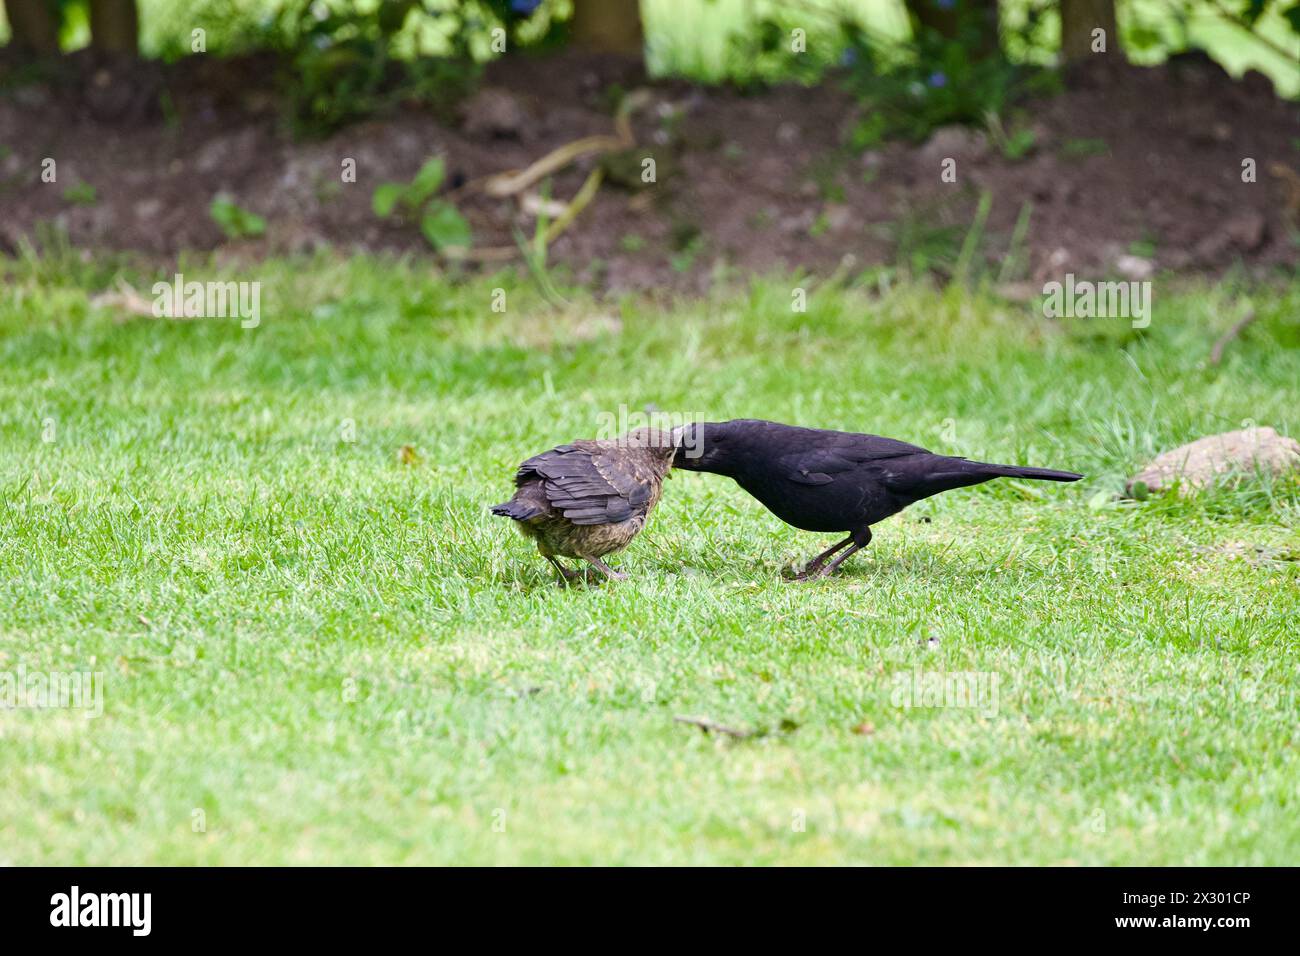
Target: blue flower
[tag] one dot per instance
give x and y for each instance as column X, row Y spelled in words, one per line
column 945, row 4
column 937, row 79
column 849, row 57
column 525, row 7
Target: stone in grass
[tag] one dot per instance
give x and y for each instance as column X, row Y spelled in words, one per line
column 1200, row 463
column 496, row 113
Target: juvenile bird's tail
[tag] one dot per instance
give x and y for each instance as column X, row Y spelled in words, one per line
column 1041, row 474
column 517, row 509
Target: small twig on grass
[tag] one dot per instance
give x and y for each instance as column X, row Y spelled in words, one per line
column 514, row 182
column 127, row 300
column 970, row 245
column 1216, row 353
column 713, row 727
column 576, row 205
column 784, row 728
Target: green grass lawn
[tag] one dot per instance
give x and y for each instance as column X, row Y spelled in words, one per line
column 315, row 653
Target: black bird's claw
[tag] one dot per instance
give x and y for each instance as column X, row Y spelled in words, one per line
column 805, row 576
column 808, row 572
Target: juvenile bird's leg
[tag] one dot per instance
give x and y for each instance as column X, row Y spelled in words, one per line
column 816, row 563
column 606, row 570
column 565, row 574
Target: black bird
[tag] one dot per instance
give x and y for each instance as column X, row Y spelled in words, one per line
column 590, row 498
column 828, row 481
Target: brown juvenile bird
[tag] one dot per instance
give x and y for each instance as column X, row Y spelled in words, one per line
column 590, row 498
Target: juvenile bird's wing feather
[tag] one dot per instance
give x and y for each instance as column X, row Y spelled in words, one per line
column 587, row 484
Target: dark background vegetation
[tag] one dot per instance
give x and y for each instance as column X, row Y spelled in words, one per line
column 803, row 135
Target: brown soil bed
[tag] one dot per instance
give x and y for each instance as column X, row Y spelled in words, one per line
column 1143, row 163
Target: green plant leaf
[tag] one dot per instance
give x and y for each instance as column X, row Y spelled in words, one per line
column 234, row 221
column 1292, row 16
column 427, row 181
column 386, row 198
column 392, row 14
column 1101, row 501
column 81, row 193
column 1144, row 38
column 445, row 228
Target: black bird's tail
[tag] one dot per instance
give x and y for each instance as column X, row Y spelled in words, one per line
column 1040, row 474
column 930, row 474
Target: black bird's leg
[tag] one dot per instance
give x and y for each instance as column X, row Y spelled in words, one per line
column 860, row 540
column 565, row 574
column 606, row 570
column 815, row 565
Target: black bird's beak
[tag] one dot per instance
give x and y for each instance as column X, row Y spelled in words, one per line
column 686, row 439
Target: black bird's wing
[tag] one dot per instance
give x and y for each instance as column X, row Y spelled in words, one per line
column 820, row 464
column 588, row 486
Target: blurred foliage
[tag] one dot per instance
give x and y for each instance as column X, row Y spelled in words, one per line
column 1249, row 16
column 777, row 47
column 441, row 224
column 910, row 89
column 234, row 221
column 341, row 65
column 348, row 60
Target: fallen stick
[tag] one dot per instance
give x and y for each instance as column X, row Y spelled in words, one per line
column 713, row 727
column 502, row 185
column 507, row 184
column 584, row 195
column 129, row 301
column 1216, row 353
column 576, row 205
column 515, row 181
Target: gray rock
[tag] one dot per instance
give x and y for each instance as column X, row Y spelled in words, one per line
column 12, row 164
column 233, row 154
column 1200, row 463
column 496, row 113
column 1247, row 230
column 954, row 142
column 147, row 209
column 1244, row 232
column 36, row 98
column 840, row 218
column 1134, row 267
